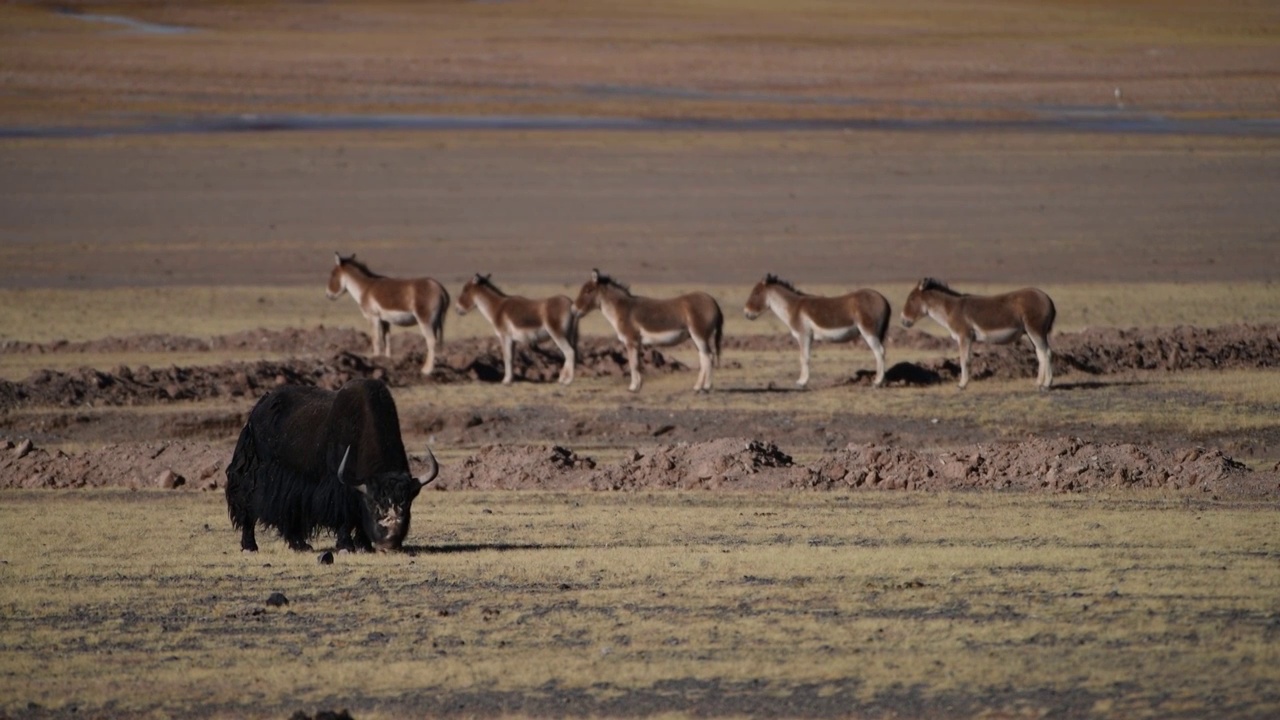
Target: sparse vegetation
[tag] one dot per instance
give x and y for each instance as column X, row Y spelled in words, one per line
column 944, row 603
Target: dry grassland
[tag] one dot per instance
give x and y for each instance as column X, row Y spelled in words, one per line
column 514, row 604
column 812, row 58
column 51, row 314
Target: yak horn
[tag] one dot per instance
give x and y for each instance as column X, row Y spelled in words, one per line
column 343, row 465
column 432, row 472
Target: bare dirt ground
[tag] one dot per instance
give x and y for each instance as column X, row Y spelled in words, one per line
column 512, row 457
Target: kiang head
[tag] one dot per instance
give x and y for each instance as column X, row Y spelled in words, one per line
column 467, row 298
column 589, row 296
column 759, row 297
column 917, row 302
column 337, row 283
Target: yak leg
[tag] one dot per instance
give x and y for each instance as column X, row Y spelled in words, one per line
column 877, row 349
column 248, row 543
column 298, row 543
column 345, row 541
column 966, row 349
column 805, row 338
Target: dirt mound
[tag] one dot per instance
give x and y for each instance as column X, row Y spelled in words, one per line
column 192, row 465
column 1058, row 465
column 297, row 341
column 1104, row 351
column 897, row 337
column 145, row 385
column 1055, row 465
column 467, row 361
column 328, row 357
column 542, row 467
column 728, row 463
column 1097, row 350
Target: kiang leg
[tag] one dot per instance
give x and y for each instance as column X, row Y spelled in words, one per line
column 386, row 338
column 508, row 350
column 704, row 364
column 377, row 337
column 566, row 347
column 1044, row 357
column 877, row 349
column 633, row 359
column 966, row 350
column 805, row 338
column 429, row 364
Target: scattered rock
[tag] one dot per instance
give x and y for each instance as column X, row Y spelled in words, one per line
column 277, row 599
column 326, row 558
column 170, row 480
column 322, row 715
column 23, row 449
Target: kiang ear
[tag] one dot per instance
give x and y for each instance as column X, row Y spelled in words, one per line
column 487, row 276
column 595, row 276
column 924, row 284
column 770, row 278
column 432, row 471
column 337, row 258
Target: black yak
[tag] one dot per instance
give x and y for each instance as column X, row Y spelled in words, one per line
column 310, row 458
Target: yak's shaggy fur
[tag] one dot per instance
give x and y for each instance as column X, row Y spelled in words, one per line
column 284, row 473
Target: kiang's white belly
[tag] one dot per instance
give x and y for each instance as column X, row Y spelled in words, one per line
column 668, row 337
column 1001, row 335
column 397, row 317
column 528, row 335
column 836, row 334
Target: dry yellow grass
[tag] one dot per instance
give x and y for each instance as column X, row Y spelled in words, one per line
column 48, row 314
column 1131, row 605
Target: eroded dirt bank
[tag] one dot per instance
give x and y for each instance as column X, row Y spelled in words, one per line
column 1058, row 465
column 329, row 357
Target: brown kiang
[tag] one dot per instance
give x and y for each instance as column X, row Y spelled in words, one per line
column 987, row 318
column 810, row 317
column 389, row 301
column 648, row 321
column 516, row 318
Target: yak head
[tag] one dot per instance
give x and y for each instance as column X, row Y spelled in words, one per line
column 385, row 501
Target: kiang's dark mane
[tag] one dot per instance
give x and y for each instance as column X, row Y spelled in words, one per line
column 485, row 281
column 775, row 280
column 352, row 261
column 935, row 284
column 602, row 279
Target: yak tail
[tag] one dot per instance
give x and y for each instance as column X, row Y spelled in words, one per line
column 240, row 478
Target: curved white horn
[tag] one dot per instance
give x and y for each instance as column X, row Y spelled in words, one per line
column 343, row 465
column 432, row 472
